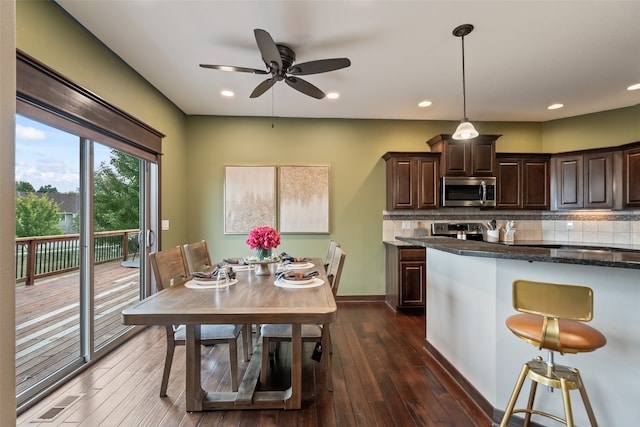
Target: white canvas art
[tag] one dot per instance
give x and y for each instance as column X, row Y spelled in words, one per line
column 249, row 198
column 304, row 199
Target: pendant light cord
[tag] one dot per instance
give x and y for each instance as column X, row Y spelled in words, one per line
column 464, row 89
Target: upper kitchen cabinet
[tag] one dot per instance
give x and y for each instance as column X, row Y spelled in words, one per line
column 473, row 157
column 412, row 180
column 584, row 180
column 523, row 181
column 631, row 174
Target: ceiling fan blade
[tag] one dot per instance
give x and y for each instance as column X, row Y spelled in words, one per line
column 233, row 68
column 268, row 49
column 263, row 87
column 304, row 87
column 320, row 66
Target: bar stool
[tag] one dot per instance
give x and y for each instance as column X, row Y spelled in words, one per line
column 551, row 319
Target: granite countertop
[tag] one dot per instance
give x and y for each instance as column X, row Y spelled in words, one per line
column 400, row 243
column 621, row 256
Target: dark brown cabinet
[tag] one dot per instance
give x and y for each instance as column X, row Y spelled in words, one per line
column 474, row 157
column 523, row 181
column 406, row 277
column 584, row 180
column 631, row 174
column 412, row 180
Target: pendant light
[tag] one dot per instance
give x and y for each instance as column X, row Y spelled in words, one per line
column 465, row 129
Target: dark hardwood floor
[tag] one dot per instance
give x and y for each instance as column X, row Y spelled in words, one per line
column 382, row 377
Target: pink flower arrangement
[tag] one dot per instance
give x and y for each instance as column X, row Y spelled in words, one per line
column 263, row 238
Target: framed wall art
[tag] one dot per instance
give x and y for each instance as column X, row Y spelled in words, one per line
column 249, row 198
column 303, row 193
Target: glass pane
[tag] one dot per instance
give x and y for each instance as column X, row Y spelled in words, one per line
column 116, row 207
column 47, row 258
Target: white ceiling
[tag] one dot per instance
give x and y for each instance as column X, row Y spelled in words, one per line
column 521, row 57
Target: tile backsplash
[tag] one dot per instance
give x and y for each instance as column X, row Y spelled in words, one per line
column 615, row 227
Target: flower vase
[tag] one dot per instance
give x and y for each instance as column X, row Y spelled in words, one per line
column 262, row 266
column 263, row 254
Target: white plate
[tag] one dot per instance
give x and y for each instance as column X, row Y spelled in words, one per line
column 298, row 265
column 208, row 284
column 297, row 285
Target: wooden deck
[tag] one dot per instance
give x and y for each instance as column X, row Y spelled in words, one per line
column 48, row 313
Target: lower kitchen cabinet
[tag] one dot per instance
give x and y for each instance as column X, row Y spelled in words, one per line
column 406, row 277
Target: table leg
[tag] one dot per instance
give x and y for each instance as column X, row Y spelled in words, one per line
column 295, row 401
column 194, row 392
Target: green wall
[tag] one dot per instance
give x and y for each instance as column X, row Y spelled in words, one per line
column 604, row 129
column 196, row 148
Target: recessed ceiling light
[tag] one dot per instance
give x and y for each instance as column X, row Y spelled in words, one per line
column 634, row 87
column 424, row 104
column 333, row 95
column 555, row 106
column 227, row 93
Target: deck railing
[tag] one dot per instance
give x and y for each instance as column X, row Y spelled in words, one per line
column 42, row 256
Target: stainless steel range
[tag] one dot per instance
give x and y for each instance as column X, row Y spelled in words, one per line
column 468, row 230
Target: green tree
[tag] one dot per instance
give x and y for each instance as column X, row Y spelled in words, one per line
column 37, row 216
column 117, row 193
column 24, row 186
column 47, row 189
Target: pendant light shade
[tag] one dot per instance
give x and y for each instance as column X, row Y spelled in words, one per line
column 465, row 129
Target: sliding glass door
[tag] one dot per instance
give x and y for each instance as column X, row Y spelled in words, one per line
column 85, row 215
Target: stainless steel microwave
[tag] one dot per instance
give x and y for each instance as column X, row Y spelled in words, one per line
column 468, row 191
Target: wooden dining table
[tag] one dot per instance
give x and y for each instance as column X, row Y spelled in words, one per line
column 252, row 300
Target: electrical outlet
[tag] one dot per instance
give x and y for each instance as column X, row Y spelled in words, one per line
column 165, row 224
column 406, row 225
column 569, row 226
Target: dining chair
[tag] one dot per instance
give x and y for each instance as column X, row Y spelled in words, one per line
column 197, row 259
column 331, row 248
column 196, row 256
column 314, row 333
column 169, row 270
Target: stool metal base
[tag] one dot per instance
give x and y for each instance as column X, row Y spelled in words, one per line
column 556, row 376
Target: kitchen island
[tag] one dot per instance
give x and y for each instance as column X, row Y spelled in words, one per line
column 469, row 298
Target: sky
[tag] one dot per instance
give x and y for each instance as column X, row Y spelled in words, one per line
column 48, row 156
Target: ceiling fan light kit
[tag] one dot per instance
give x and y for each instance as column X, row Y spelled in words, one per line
column 465, row 129
column 280, row 61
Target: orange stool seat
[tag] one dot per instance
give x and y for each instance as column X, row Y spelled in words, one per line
column 575, row 337
column 551, row 317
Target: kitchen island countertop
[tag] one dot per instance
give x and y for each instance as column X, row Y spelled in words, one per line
column 621, row 256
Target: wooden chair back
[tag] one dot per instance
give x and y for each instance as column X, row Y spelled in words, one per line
column 196, row 256
column 335, row 270
column 330, row 251
column 168, row 267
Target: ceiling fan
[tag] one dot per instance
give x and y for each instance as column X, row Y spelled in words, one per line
column 280, row 62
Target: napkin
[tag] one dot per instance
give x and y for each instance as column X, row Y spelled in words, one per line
column 286, row 258
column 294, row 275
column 238, row 261
column 205, row 274
column 213, row 275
